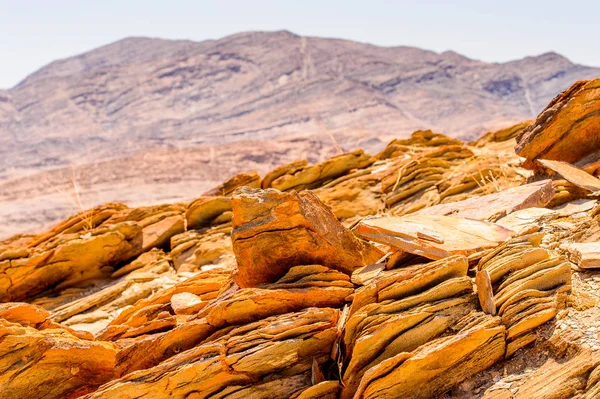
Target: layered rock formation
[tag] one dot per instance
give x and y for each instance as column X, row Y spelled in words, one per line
column 434, row 269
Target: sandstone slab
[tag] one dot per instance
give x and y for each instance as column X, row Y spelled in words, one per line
column 492, row 207
column 434, row 236
column 573, row 174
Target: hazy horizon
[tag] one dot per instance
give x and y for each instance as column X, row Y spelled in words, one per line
column 41, row 32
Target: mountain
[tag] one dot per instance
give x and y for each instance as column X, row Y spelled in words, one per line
column 152, row 101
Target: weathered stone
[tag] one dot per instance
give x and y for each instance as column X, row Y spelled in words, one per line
column 573, row 174
column 202, row 211
column 485, row 292
column 23, row 313
column 567, row 129
column 585, row 254
column 529, row 286
column 51, row 363
column 274, row 231
column 302, row 287
column 244, row 179
column 495, row 206
column 299, row 176
column 276, row 348
column 435, row 367
column 186, row 303
column 194, row 249
column 434, row 237
column 400, row 310
column 66, row 259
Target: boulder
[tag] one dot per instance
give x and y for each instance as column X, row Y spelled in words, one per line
column 274, row 231
column 204, row 210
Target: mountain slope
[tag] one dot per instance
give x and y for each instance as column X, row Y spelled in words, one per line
column 142, row 93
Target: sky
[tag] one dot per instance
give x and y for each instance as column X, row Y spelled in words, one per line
column 36, row 32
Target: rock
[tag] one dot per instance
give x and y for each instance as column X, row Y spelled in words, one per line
column 501, row 135
column 435, row 367
column 573, row 174
column 51, row 363
column 244, row 179
column 153, row 314
column 526, row 220
column 66, row 259
column 556, row 380
column 529, row 285
column 400, row 310
column 186, row 303
column 272, row 356
column 92, row 308
column 197, row 248
column 419, row 138
column 299, row 176
column 274, row 231
column 301, row 287
column 353, row 195
column 204, row 210
column 485, row 292
column 566, row 129
column 322, row 390
column 23, row 313
column 434, row 237
column 420, row 171
column 585, row 254
column 495, row 206
column 283, row 170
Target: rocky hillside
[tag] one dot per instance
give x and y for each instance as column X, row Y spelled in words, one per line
column 434, row 269
column 155, row 103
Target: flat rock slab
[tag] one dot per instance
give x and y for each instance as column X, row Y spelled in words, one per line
column 492, row 207
column 575, row 207
column 527, row 219
column 573, row 174
column 434, row 236
column 585, row 254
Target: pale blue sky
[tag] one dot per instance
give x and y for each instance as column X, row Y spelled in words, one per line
column 35, row 32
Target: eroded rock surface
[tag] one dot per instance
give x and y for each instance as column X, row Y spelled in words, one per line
column 273, row 231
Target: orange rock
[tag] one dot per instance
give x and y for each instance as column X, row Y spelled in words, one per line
column 271, row 358
column 23, row 313
column 274, row 231
column 51, row 363
column 567, row 130
column 202, row 211
column 302, row 287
